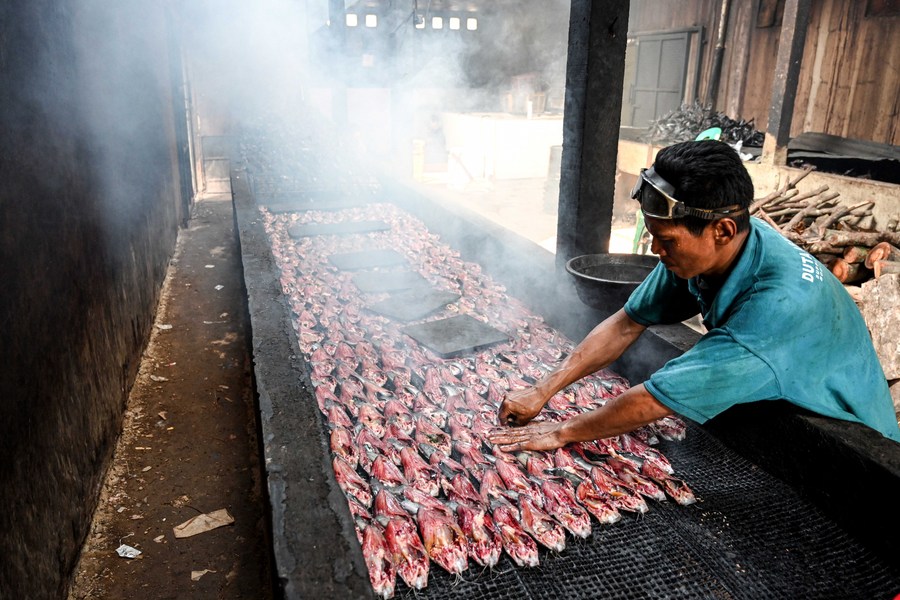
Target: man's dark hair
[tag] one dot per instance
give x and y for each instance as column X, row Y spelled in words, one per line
column 706, row 174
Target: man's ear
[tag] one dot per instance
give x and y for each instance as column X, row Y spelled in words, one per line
column 724, row 231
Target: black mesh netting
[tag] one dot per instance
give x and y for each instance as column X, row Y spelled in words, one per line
column 749, row 536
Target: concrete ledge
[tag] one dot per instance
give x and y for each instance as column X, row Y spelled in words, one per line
column 315, row 548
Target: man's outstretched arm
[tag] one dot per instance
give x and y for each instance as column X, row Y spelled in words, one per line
column 604, row 344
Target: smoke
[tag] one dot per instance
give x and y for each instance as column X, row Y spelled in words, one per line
column 399, row 88
column 369, row 69
column 249, row 58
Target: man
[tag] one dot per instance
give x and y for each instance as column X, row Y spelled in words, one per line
column 780, row 326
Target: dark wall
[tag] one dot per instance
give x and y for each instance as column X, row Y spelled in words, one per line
column 89, row 209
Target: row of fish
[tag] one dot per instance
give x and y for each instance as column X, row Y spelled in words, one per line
column 408, row 429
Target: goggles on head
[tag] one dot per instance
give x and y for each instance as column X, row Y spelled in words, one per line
column 655, row 196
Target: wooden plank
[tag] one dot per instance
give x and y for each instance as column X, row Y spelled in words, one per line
column 853, row 76
column 846, row 22
column 810, row 87
column 758, row 87
column 882, row 8
column 738, row 58
column 766, row 15
column 859, row 51
column 884, row 73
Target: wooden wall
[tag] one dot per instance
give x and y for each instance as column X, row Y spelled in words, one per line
column 851, row 69
column 850, row 76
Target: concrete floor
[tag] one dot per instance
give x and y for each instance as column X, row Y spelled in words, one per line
column 189, row 441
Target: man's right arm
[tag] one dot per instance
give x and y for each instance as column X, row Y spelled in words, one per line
column 604, row 344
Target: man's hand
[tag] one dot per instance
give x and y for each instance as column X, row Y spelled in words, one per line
column 536, row 436
column 521, row 406
column 604, row 344
column 622, row 414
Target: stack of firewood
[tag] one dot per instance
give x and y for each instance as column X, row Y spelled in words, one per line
column 844, row 238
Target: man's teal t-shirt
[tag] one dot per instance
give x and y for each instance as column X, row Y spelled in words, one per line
column 781, row 327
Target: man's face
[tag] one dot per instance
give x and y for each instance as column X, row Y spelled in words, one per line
column 681, row 252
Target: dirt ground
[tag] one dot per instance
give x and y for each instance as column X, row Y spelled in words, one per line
column 188, row 444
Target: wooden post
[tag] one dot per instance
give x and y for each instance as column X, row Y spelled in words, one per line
column 712, row 87
column 594, row 73
column 784, row 85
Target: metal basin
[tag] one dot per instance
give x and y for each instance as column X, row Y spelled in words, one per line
column 605, row 281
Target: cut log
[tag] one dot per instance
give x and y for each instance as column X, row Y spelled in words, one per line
column 793, row 202
column 788, row 189
column 886, row 267
column 849, row 272
column 856, row 254
column 813, row 205
column 826, row 258
column 882, row 251
column 823, row 223
column 863, row 209
column 866, row 222
column 774, row 202
column 815, row 247
column 861, row 238
column 762, row 215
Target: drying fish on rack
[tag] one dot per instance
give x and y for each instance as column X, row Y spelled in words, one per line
column 561, row 503
column 484, row 540
column 379, row 561
column 407, row 551
column 409, row 430
column 520, row 547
